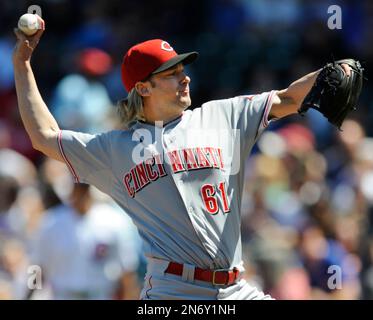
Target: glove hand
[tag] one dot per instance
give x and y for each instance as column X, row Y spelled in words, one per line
column 336, row 90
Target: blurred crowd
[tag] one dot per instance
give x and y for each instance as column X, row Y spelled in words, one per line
column 307, row 210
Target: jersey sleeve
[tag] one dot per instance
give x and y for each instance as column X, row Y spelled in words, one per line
column 88, row 157
column 253, row 112
column 248, row 114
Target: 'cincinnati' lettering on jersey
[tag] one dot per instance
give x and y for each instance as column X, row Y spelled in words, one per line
column 180, row 160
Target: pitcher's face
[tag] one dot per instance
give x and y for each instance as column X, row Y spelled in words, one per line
column 171, row 87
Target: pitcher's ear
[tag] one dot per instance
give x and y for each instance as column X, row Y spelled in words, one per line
column 143, row 89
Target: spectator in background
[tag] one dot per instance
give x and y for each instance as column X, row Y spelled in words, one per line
column 86, row 250
column 8, row 191
column 21, row 203
column 322, row 258
column 20, row 206
column 13, row 268
column 81, row 101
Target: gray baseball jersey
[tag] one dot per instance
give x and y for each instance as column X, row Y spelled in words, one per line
column 180, row 183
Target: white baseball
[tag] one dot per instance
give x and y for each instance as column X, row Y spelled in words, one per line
column 28, row 24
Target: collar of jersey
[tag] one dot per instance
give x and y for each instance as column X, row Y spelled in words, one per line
column 142, row 123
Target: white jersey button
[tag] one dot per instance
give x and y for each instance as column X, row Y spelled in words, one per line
column 190, row 210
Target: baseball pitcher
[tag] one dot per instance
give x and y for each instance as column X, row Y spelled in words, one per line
column 177, row 172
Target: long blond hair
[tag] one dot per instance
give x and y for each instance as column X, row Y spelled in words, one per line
column 131, row 109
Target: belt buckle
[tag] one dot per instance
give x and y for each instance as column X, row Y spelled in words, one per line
column 213, row 278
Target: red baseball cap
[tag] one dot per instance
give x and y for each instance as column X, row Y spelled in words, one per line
column 150, row 57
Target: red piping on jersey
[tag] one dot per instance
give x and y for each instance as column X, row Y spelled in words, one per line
column 69, row 165
column 267, row 109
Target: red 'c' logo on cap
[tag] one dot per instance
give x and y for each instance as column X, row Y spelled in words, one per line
column 166, row 46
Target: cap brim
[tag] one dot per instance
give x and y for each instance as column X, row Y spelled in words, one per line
column 184, row 58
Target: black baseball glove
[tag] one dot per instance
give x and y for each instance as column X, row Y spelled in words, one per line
column 335, row 94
